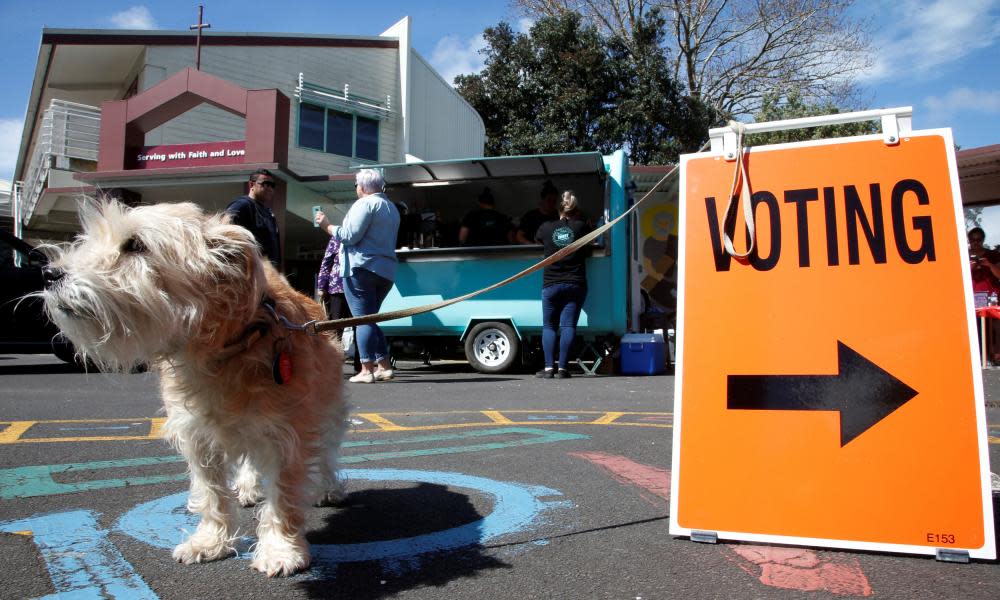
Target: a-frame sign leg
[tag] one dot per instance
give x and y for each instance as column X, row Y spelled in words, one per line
column 954, row 556
column 705, row 537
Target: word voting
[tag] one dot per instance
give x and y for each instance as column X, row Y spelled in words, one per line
column 912, row 234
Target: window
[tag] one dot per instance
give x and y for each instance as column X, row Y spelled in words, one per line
column 367, row 139
column 337, row 132
column 311, row 126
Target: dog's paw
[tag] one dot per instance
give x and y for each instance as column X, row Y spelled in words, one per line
column 246, row 484
column 249, row 497
column 279, row 558
column 199, row 551
column 336, row 496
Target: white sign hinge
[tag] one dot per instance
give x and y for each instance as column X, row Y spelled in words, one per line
column 896, row 126
column 890, row 130
column 729, row 148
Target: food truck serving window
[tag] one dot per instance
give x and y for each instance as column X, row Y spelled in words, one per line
column 435, row 197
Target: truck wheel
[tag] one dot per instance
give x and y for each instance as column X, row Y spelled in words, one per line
column 491, row 347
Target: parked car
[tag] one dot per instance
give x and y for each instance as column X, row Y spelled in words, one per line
column 24, row 328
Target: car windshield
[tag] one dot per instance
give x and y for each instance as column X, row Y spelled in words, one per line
column 12, row 256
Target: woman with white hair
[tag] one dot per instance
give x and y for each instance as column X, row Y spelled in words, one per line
column 368, row 235
column 564, row 285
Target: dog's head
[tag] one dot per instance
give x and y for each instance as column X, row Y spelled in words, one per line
column 139, row 284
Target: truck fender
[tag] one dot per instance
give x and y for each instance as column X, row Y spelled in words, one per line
column 473, row 321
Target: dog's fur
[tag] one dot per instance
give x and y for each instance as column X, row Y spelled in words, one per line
column 173, row 287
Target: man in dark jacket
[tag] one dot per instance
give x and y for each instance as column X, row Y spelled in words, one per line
column 252, row 213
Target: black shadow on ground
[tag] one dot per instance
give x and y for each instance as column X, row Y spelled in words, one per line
column 996, row 523
column 395, row 514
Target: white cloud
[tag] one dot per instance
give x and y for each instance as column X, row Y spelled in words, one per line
column 453, row 56
column 962, row 102
column 10, row 141
column 524, row 25
column 920, row 36
column 135, row 17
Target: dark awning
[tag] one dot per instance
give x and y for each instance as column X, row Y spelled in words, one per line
column 471, row 169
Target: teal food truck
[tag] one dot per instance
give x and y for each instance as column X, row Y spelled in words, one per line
column 502, row 328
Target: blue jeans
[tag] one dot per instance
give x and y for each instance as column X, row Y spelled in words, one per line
column 365, row 292
column 561, row 306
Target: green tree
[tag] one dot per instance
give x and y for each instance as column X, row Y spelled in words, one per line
column 792, row 106
column 653, row 118
column 565, row 87
column 973, row 217
column 732, row 53
column 504, row 92
column 546, row 91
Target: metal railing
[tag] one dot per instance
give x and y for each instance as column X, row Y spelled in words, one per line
column 6, row 208
column 343, row 99
column 68, row 130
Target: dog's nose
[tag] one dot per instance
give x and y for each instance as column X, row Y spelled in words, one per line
column 52, row 275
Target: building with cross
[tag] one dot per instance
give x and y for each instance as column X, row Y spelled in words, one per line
column 129, row 114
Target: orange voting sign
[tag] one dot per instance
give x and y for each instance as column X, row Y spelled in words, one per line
column 828, row 390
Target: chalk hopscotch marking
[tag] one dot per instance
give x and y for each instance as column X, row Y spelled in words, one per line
column 21, row 432
column 788, row 568
column 81, row 560
column 83, row 563
column 34, row 481
column 164, row 523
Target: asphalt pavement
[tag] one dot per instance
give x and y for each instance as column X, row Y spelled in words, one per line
column 461, row 485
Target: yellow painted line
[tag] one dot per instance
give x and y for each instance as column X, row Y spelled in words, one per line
column 607, row 419
column 432, row 427
column 383, row 423
column 156, row 428
column 72, row 421
column 102, row 438
column 994, row 440
column 515, row 423
column 27, row 533
column 14, row 431
column 522, row 411
column 497, row 417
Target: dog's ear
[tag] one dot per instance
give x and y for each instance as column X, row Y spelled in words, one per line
column 231, row 244
column 94, row 210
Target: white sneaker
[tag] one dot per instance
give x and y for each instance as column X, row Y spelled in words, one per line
column 363, row 378
column 383, row 375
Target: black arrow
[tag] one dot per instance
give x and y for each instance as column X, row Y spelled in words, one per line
column 861, row 391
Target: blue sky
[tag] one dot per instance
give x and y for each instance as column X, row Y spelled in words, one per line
column 940, row 56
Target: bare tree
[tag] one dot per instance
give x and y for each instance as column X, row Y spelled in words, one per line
column 731, row 54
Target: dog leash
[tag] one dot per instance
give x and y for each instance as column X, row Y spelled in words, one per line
column 316, row 327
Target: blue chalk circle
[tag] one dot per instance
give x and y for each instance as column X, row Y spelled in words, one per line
column 165, row 522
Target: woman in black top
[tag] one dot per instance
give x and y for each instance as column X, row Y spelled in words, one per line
column 564, row 285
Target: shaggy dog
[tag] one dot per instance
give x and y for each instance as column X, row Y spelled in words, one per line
column 248, row 400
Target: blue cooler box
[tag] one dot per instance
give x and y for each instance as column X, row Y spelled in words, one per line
column 643, row 354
